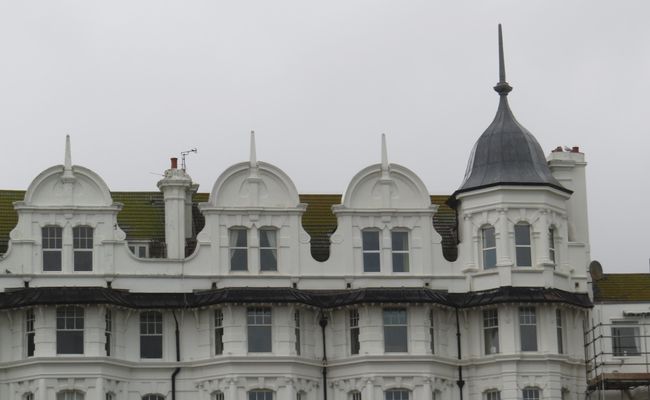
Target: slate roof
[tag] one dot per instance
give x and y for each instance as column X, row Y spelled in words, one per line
column 143, row 219
column 622, row 288
column 27, row 297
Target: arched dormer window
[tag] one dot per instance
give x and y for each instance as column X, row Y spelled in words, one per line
column 260, row 394
column 268, row 249
column 82, row 243
column 238, row 249
column 551, row 244
column 397, row 394
column 488, row 247
column 523, row 253
column 70, row 395
column 371, row 250
column 52, row 243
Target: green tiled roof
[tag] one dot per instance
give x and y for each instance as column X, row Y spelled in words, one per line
column 618, row 288
column 143, row 218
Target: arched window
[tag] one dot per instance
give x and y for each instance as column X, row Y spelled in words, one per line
column 492, row 394
column 531, row 393
column 260, row 394
column 354, row 395
column 28, row 396
column 488, row 247
column 396, row 394
column 70, row 395
column 52, row 245
column 218, row 395
column 82, row 243
column 523, row 254
column 110, row 396
column 153, row 397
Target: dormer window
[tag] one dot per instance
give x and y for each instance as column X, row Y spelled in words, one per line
column 522, row 245
column 400, row 249
column 52, row 247
column 370, row 243
column 82, row 242
column 238, row 249
column 268, row 249
column 488, row 247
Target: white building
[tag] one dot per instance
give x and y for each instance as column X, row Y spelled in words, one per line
column 395, row 309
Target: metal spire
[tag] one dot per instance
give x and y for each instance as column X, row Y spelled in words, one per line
column 502, row 87
column 253, row 156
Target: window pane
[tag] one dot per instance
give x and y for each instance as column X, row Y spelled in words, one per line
column 371, row 262
column 238, row 238
column 370, row 240
column 490, row 258
column 259, row 339
column 238, row 259
column 268, row 260
column 395, row 330
column 488, row 237
column 83, row 261
column 626, row 341
column 531, row 394
column 396, row 395
column 522, row 235
column 69, row 342
column 151, row 346
column 400, row 240
column 400, row 262
column 523, row 257
column 260, row 395
column 52, row 260
column 528, row 328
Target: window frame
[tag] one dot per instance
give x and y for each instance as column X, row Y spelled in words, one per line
column 390, row 324
column 619, row 350
column 390, row 394
column 528, row 328
column 490, row 324
column 153, row 396
column 401, row 253
column 109, row 328
column 153, row 327
column 432, row 332
column 353, row 321
column 139, row 249
column 523, row 249
column 486, row 249
column 552, row 245
column 370, row 255
column 235, row 247
column 266, row 393
column 82, row 245
column 218, row 331
column 71, row 318
column 217, row 395
column 70, row 395
column 559, row 330
column 30, row 332
column 297, row 326
column 272, row 247
column 354, row 395
column 28, row 396
column 531, row 393
column 492, row 394
column 52, row 244
column 262, row 321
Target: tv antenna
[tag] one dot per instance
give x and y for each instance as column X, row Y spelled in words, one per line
column 185, row 153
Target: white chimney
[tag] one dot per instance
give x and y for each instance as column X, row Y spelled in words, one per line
column 175, row 187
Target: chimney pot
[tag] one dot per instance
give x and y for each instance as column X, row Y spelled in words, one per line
column 575, row 149
column 174, row 162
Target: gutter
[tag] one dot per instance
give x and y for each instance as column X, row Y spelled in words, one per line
column 460, row 382
column 323, row 324
column 178, row 357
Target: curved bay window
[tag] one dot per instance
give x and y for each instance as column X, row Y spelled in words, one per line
column 488, row 247
column 52, row 246
column 523, row 254
column 82, row 242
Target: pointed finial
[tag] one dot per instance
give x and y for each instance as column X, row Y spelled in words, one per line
column 67, row 165
column 502, row 87
column 384, row 153
column 68, row 176
column 253, row 156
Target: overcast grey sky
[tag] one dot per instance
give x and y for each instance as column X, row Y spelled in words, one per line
column 136, row 82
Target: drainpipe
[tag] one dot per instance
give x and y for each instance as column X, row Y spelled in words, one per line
column 323, row 324
column 460, row 382
column 178, row 357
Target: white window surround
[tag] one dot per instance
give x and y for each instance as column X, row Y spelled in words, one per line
column 69, row 330
column 523, row 244
column 139, row 249
column 490, row 331
column 82, row 245
column 238, row 248
column 371, row 250
column 151, row 335
column 626, row 339
column 400, row 249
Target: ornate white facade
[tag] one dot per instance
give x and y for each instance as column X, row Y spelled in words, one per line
column 250, row 314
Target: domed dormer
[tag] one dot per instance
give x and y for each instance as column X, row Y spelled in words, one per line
column 386, row 213
column 511, row 209
column 66, row 215
column 253, row 215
